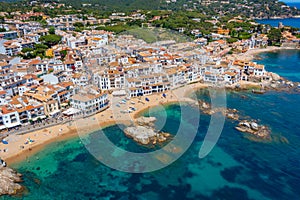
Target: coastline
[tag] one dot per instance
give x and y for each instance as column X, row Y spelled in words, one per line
column 108, row 117
column 287, row 17
column 252, row 53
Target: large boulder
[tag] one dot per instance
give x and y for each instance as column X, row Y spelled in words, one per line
column 9, row 181
column 140, row 134
column 145, row 121
column 275, row 77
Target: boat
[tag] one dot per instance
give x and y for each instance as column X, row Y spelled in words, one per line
column 258, row 91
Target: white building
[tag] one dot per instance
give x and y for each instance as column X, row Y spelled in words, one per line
column 56, row 65
column 90, row 101
column 9, row 117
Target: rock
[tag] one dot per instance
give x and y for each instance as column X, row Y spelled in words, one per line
column 245, row 124
column 166, row 134
column 9, row 180
column 254, row 126
column 273, row 85
column 275, row 77
column 230, row 115
column 140, row 134
column 161, row 138
column 254, row 129
column 204, row 105
column 145, row 121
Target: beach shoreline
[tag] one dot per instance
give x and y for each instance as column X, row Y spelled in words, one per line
column 84, row 126
column 252, row 54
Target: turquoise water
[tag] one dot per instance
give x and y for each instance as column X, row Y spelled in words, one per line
column 284, row 62
column 237, row 168
column 294, row 22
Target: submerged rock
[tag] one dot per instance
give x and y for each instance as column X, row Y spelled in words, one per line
column 9, row 181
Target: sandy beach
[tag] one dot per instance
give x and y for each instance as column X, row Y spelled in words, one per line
column 250, row 54
column 16, row 150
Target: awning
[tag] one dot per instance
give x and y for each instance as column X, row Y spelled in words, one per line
column 2, row 127
column 71, row 111
column 54, row 112
column 13, row 125
column 119, row 93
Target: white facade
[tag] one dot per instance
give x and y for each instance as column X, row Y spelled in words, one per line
column 89, row 103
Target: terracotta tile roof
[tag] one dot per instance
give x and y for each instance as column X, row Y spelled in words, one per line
column 65, row 84
column 34, row 62
column 7, row 110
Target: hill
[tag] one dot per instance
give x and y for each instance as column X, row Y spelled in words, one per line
column 249, row 8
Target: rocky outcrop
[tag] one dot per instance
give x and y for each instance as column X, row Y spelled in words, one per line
column 275, row 76
column 207, row 109
column 144, row 132
column 9, row 181
column 253, row 128
column 245, row 126
column 140, row 134
column 145, row 121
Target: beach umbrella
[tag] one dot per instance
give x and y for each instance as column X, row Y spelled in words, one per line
column 147, row 99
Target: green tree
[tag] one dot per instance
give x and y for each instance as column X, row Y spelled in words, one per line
column 78, row 24
column 274, row 36
column 232, row 40
column 50, row 40
column 63, row 54
column 51, row 30
column 26, row 49
column 40, row 46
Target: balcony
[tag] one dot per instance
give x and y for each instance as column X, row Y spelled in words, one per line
column 23, row 117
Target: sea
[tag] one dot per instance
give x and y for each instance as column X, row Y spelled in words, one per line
column 297, row 4
column 238, row 167
column 294, row 22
